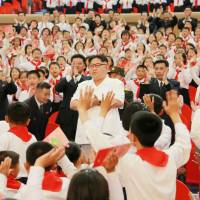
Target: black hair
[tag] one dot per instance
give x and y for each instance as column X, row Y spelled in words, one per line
column 73, row 152
column 162, row 62
column 14, row 68
column 45, row 70
column 79, row 42
column 90, row 184
column 54, row 63
column 33, row 72
column 26, row 47
column 61, row 57
column 193, row 49
column 162, row 45
column 80, row 56
column 12, row 155
column 44, row 30
column 18, row 112
column 102, row 58
column 184, row 57
column 36, row 49
column 41, row 71
column 98, row 15
column 129, row 111
column 43, row 85
column 147, row 127
column 125, row 32
column 141, row 66
column 37, row 149
column 179, row 38
column 158, row 103
column 111, row 59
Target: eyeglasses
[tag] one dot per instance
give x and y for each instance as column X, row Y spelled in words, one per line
column 97, row 65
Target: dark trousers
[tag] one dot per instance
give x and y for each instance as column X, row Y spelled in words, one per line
column 129, row 10
column 178, row 8
column 55, row 107
column 142, row 8
column 196, row 8
column 80, row 7
column 70, row 10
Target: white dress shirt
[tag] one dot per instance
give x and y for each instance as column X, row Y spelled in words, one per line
column 195, row 130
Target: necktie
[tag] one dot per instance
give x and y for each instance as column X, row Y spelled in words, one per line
column 41, row 108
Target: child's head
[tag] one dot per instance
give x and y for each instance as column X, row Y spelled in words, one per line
column 34, row 151
column 17, row 114
column 54, row 69
column 33, row 78
column 37, row 54
column 42, row 75
column 145, row 129
column 129, row 111
column 14, row 168
column 14, row 73
column 158, row 103
column 141, row 71
column 23, row 77
column 73, row 152
column 180, row 59
column 90, row 184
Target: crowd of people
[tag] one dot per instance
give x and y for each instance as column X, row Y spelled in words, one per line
column 99, row 6
column 107, row 83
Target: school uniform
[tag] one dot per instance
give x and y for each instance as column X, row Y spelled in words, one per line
column 178, row 5
column 113, row 115
column 88, row 5
column 98, row 6
column 42, row 25
column 195, row 5
column 64, row 27
column 184, row 77
column 108, row 5
column 127, row 5
column 195, row 72
column 35, row 65
column 71, row 6
column 80, row 6
column 142, row 5
column 17, row 139
column 150, row 173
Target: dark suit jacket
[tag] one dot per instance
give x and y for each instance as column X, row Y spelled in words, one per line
column 181, row 23
column 5, row 89
column 153, row 87
column 67, row 117
column 38, row 119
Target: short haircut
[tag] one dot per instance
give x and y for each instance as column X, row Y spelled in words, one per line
column 147, row 127
column 12, row 155
column 18, row 113
column 37, row 149
column 162, row 62
column 35, row 72
column 54, row 63
column 158, row 103
column 125, row 32
column 102, row 58
column 61, row 57
column 43, row 85
column 162, row 45
column 73, row 152
column 129, row 111
column 141, row 66
column 41, row 71
column 36, row 49
column 80, row 56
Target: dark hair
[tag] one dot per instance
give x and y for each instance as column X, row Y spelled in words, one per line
column 61, row 57
column 12, row 155
column 33, row 72
column 146, row 127
column 37, row 149
column 54, row 63
column 44, row 30
column 18, row 113
column 184, row 58
column 102, row 58
column 73, row 152
column 193, row 49
column 162, row 62
column 162, row 45
column 141, row 66
column 14, row 68
column 129, row 111
column 90, row 184
column 46, row 71
column 43, row 85
column 41, row 71
column 125, row 32
column 80, row 56
column 26, row 48
column 158, row 103
column 36, row 49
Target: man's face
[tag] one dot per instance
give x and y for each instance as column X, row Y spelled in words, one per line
column 21, row 17
column 33, row 80
column 187, row 12
column 98, row 69
column 42, row 95
column 160, row 71
column 78, row 64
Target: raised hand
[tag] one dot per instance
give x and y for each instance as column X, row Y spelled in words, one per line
column 50, row 158
column 106, row 103
column 85, row 100
column 171, row 106
column 5, row 166
column 149, row 102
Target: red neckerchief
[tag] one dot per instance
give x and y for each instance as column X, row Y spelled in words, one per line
column 53, row 83
column 52, row 182
column 137, row 82
column 153, row 156
column 12, row 183
column 192, row 64
column 124, row 44
column 36, row 64
column 21, row 132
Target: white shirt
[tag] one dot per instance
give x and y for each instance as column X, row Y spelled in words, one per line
column 42, row 25
column 144, row 181
column 112, row 117
column 9, row 141
column 126, row 4
column 195, row 130
column 178, row 2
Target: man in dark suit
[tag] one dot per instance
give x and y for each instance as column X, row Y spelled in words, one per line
column 67, row 118
column 40, row 107
column 187, row 18
column 6, row 87
column 159, row 85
